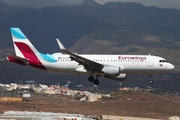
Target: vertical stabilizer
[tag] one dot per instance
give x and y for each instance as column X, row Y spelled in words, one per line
column 24, row 50
column 23, row 47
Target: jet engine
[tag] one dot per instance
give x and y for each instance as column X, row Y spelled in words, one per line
column 111, row 70
column 121, row 77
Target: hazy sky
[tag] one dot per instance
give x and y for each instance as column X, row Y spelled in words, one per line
column 45, row 3
column 42, row 3
column 157, row 3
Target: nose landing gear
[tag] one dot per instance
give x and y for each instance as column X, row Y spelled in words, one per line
column 150, row 79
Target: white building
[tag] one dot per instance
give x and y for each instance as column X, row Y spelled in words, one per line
column 25, row 115
column 174, row 118
column 26, row 95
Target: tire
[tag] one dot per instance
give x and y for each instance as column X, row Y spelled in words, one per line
column 96, row 82
column 91, row 79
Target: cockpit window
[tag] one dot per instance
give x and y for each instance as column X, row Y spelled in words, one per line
column 163, row 61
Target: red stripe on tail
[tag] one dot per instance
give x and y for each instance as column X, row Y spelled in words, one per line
column 30, row 55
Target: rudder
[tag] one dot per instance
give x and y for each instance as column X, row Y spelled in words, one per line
column 23, row 47
column 26, row 53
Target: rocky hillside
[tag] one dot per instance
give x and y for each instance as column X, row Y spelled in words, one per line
column 112, row 28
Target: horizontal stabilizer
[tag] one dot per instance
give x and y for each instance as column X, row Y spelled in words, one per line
column 16, row 59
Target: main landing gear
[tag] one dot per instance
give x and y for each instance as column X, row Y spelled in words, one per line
column 150, row 79
column 95, row 81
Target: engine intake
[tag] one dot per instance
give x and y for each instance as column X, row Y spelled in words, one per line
column 111, row 70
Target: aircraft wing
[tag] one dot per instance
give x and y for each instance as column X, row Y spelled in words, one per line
column 88, row 64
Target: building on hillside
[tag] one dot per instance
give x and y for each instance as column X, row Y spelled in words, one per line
column 174, row 118
column 26, row 95
column 111, row 117
column 94, row 97
column 68, row 118
column 25, row 115
column 10, row 99
column 49, row 91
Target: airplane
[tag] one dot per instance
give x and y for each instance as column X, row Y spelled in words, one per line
column 115, row 67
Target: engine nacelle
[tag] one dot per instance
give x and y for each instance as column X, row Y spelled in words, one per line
column 121, row 77
column 111, row 70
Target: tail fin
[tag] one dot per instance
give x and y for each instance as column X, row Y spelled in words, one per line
column 23, row 47
column 26, row 53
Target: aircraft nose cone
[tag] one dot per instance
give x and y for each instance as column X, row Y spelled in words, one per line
column 171, row 67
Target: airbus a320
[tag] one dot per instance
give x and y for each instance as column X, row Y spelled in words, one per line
column 115, row 67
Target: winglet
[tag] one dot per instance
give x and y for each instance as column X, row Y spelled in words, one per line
column 61, row 46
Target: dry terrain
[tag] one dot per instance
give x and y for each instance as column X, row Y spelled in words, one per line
column 139, row 104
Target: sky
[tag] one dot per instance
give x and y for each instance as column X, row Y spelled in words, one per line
column 45, row 3
column 42, row 3
column 158, row 3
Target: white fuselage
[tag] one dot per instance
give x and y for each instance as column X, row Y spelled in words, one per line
column 115, row 67
column 129, row 64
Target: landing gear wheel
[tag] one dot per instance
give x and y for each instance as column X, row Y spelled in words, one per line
column 91, row 79
column 96, row 82
column 151, row 81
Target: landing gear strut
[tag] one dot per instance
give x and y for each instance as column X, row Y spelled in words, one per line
column 150, row 79
column 95, row 81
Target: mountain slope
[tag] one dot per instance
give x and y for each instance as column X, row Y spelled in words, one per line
column 113, row 28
